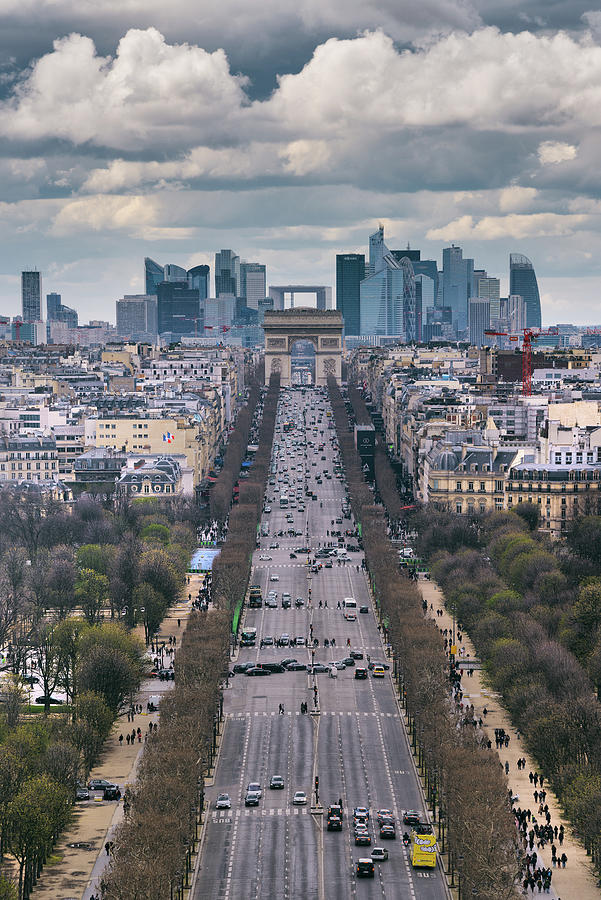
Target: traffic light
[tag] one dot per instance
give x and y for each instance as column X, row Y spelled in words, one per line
column 316, row 783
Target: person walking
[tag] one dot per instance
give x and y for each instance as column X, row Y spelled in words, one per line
column 127, row 738
column 120, row 740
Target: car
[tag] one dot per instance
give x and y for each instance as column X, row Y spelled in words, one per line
column 286, row 662
column 268, row 509
column 334, row 823
column 81, row 792
column 241, row 668
column 111, row 793
column 319, row 668
column 378, row 671
column 348, row 661
column 252, row 798
column 356, row 654
column 375, row 662
column 286, row 603
column 299, row 602
column 284, row 640
column 271, row 603
column 329, row 564
column 293, row 556
column 254, row 787
column 274, row 577
column 99, row 784
column 272, row 667
column 300, row 641
column 299, row 799
column 379, row 854
column 338, row 664
column 275, row 546
column 383, row 815
column 388, row 831
column 265, row 557
column 365, row 868
column 362, row 837
column 411, row 817
column 257, row 670
column 297, row 667
column 360, row 672
column 223, row 802
column 361, row 812
column 276, row 783
column 267, row 641
column 52, row 701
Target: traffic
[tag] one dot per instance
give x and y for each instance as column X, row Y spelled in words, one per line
column 315, row 776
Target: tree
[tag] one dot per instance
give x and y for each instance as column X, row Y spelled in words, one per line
column 151, row 606
column 62, row 764
column 584, row 538
column 155, row 534
column 125, row 577
column 12, row 697
column 66, row 639
column 99, row 557
column 12, row 590
column 47, row 661
column 91, row 590
column 62, row 574
column 93, row 721
column 530, row 513
column 110, row 673
column 8, row 890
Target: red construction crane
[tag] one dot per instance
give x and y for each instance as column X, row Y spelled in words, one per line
column 528, row 337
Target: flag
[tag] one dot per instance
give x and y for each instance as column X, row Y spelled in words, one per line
column 168, row 437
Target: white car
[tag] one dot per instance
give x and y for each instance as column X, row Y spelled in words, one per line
column 223, row 802
column 274, row 577
column 265, row 558
column 268, row 509
column 299, row 799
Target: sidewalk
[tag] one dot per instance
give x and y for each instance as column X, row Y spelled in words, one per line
column 73, row 872
column 577, row 879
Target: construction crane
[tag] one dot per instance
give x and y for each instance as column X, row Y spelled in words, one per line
column 529, row 336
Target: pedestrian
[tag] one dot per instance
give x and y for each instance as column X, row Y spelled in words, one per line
column 179, row 623
column 531, row 777
column 133, row 735
column 506, row 767
column 563, row 859
column 127, row 738
column 120, row 740
column 107, row 847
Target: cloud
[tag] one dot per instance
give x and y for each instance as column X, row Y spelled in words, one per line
column 553, row 152
column 516, row 198
column 493, row 228
column 132, row 214
column 150, row 94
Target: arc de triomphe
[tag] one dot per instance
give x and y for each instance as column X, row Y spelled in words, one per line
column 322, row 327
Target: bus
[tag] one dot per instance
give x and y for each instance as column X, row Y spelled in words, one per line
column 249, row 637
column 284, row 502
column 255, row 598
column 349, row 605
column 423, row 847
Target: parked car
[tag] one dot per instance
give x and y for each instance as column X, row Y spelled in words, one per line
column 82, row 793
column 99, row 784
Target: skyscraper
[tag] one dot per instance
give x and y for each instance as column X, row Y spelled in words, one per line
column 457, row 286
column 137, row 316
column 53, row 305
column 179, row 311
column 522, row 281
column 253, row 283
column 479, row 320
column 517, row 313
column 350, row 272
column 171, row 272
column 381, row 302
column 153, row 275
column 58, row 312
column 198, row 278
column 31, row 296
column 227, row 273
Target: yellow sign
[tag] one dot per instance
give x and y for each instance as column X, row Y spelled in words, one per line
column 454, row 649
column 423, row 850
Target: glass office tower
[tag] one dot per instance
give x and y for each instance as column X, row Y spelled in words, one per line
column 522, row 281
column 350, row 272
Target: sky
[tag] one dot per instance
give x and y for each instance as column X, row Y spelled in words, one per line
column 289, row 131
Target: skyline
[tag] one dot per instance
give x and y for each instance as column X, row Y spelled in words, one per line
column 169, row 149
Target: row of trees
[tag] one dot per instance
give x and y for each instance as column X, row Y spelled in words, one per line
column 153, row 847
column 538, row 634
column 463, row 780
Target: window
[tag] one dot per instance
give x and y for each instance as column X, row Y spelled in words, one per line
column 557, row 458
column 589, row 458
column 578, row 458
column 498, row 485
column 458, row 486
column 482, row 485
column 498, row 504
column 470, row 485
column 435, row 484
column 569, row 458
column 458, row 508
column 483, row 507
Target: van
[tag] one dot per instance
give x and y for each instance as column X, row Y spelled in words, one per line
column 333, row 673
column 349, row 605
column 341, row 553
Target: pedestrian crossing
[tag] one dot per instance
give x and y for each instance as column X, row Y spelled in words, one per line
column 267, row 714
column 226, row 816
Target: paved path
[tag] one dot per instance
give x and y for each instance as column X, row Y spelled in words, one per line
column 576, row 881
column 75, row 874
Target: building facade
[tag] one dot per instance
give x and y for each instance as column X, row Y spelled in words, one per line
column 522, row 281
column 350, row 272
column 31, row 296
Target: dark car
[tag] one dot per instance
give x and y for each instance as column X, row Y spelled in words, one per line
column 273, row 667
column 360, row 672
column 348, row 661
column 286, row 662
column 267, row 641
column 365, row 868
column 286, row 604
column 377, row 663
column 257, row 670
column 362, row 838
column 320, row 668
column 82, row 793
column 388, row 831
column 299, row 602
column 334, row 823
column 356, row 654
column 240, row 668
column 100, row 784
column 252, row 798
column 411, row 817
column 276, row 783
column 296, row 667
column 111, row 793
column 53, row 701
column 364, row 609
column 293, row 556
column 335, row 810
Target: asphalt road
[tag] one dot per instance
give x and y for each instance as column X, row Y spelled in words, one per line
column 354, row 741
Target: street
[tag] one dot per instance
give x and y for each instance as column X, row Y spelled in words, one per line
column 353, row 740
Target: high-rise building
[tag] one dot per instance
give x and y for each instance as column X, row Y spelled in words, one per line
column 198, row 278
column 179, row 310
column 377, row 250
column 154, row 273
column 486, row 287
column 479, row 320
column 31, row 296
column 381, row 302
column 350, row 272
column 457, row 285
column 227, row 273
column 137, row 316
column 58, row 312
column 522, row 281
column 253, row 283
column 517, row 313
column 174, row 273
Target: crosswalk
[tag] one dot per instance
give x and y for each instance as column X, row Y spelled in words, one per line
column 226, row 816
column 324, row 712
